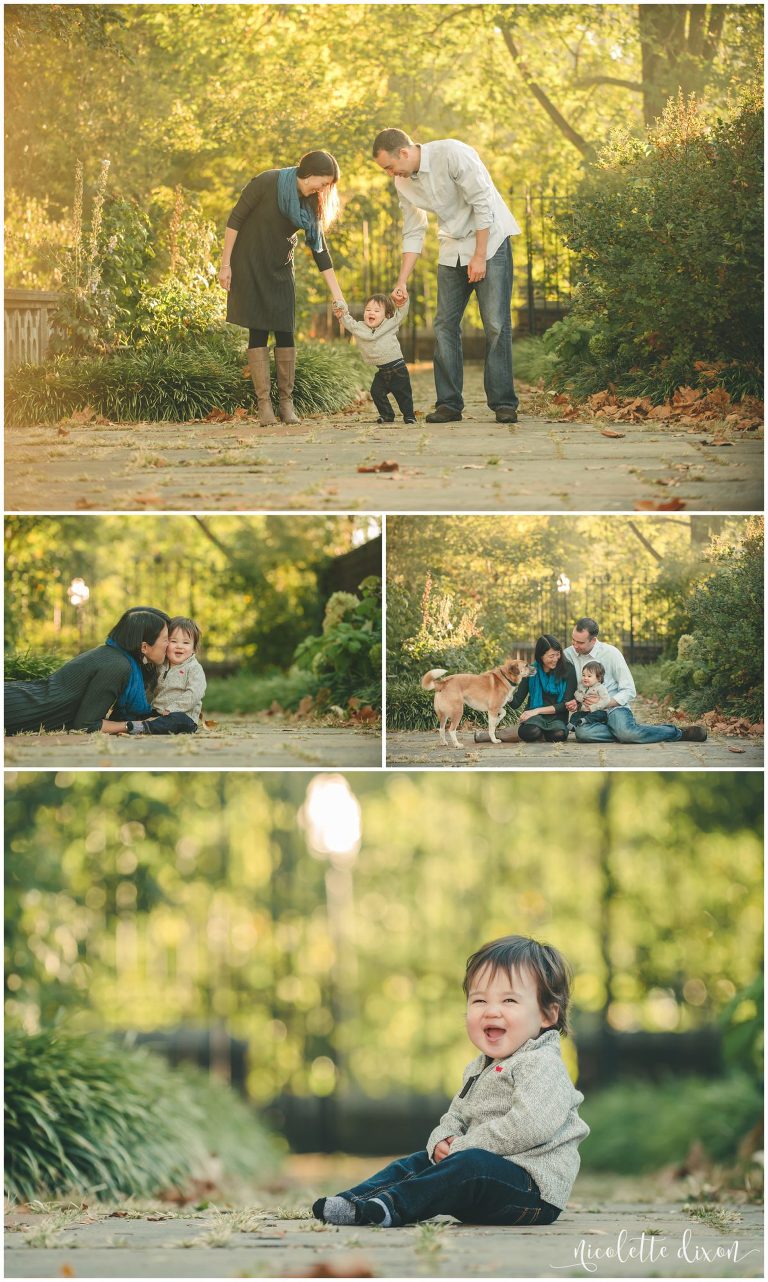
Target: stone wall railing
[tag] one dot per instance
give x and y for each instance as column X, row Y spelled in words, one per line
column 27, row 325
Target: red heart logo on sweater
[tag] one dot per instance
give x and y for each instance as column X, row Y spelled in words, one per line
column 499, row 1068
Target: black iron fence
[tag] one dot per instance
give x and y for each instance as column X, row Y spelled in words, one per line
column 631, row 612
column 367, row 246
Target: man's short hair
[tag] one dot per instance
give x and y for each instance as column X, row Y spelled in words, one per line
column 594, row 666
column 586, row 625
column 390, row 140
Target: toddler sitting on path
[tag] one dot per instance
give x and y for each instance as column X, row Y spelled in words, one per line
column 506, row 1151
column 591, row 683
column 178, row 699
column 377, row 340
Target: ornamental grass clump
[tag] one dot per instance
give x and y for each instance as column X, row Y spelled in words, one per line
column 26, row 666
column 161, row 382
column 86, row 1114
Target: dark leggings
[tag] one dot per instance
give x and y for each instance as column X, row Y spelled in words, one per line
column 283, row 338
column 543, row 727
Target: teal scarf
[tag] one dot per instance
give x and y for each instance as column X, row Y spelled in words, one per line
column 541, row 682
column 297, row 209
column 133, row 700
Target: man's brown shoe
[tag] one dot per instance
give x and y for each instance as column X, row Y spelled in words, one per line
column 694, row 734
column 443, row 414
column 506, row 415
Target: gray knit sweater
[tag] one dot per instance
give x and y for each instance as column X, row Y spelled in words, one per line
column 377, row 346
column 181, row 688
column 524, row 1108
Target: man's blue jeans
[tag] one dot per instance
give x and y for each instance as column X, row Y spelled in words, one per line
column 475, row 1186
column 620, row 727
column 494, row 296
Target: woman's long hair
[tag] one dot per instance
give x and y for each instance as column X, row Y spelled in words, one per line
column 321, row 164
column 547, row 642
column 142, row 623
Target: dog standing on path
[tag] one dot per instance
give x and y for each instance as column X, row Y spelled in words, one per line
column 487, row 692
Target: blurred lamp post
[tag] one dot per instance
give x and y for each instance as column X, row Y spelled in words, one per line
column 332, row 822
column 78, row 593
column 564, row 588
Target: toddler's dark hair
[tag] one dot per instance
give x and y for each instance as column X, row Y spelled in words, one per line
column 385, row 301
column 550, row 969
column 594, row 666
column 186, row 625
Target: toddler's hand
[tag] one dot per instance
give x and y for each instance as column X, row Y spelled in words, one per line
column 442, row 1149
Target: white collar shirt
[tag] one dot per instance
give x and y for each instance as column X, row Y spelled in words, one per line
column 453, row 183
column 618, row 678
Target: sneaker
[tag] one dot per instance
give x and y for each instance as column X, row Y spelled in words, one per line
column 506, row 415
column 444, row 414
column 693, row 734
column 409, row 420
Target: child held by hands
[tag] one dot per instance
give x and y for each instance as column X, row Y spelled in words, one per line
column 506, row 1151
column 376, row 336
column 591, row 687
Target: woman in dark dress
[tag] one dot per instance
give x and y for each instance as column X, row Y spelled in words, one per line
column 118, row 677
column 548, row 690
column 257, row 265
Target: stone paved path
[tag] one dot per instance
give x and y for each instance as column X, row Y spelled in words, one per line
column 475, row 465
column 582, row 1243
column 423, row 748
column 234, row 741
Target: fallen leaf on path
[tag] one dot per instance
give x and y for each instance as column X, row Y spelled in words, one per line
column 670, row 505
column 118, row 1215
column 66, row 1271
column 386, row 466
column 84, row 503
column 63, row 431
column 733, row 748
column 607, row 431
column 335, row 1269
column 217, row 416
column 146, row 500
column 209, row 725
column 474, row 467
column 240, row 412
column 305, row 705
column 714, row 444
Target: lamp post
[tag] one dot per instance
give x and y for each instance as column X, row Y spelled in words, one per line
column 564, row 588
column 332, row 822
column 78, row 593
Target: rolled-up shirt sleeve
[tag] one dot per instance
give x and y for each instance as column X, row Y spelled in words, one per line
column 474, row 183
column 414, row 225
column 621, row 674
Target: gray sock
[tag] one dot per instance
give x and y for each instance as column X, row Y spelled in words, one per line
column 339, row 1210
column 137, row 727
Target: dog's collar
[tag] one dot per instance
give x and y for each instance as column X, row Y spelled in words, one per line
column 501, row 677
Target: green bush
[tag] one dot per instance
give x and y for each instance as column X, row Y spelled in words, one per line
column 26, row 666
column 84, row 1114
column 638, row 1126
column 246, row 693
column 346, row 657
column 720, row 663
column 161, row 382
column 669, row 234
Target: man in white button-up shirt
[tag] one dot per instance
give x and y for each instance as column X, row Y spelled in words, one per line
column 474, row 225
column 616, row 723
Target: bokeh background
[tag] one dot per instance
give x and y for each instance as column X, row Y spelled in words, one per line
column 303, row 939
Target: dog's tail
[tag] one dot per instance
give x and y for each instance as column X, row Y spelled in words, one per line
column 431, row 680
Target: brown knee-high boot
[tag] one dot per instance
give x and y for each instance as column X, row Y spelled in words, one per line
column 258, row 364
column 285, row 359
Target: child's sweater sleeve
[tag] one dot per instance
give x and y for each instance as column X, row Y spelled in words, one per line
column 452, row 1122
column 539, row 1104
column 356, row 327
column 361, row 330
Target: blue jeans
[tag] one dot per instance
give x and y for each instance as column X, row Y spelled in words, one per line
column 171, row 723
column 475, row 1186
column 620, row 727
column 494, row 295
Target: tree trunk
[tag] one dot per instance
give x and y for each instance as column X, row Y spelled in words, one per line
column 678, row 44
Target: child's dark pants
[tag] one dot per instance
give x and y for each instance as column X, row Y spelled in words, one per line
column 171, row 723
column 475, row 1186
column 392, row 378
